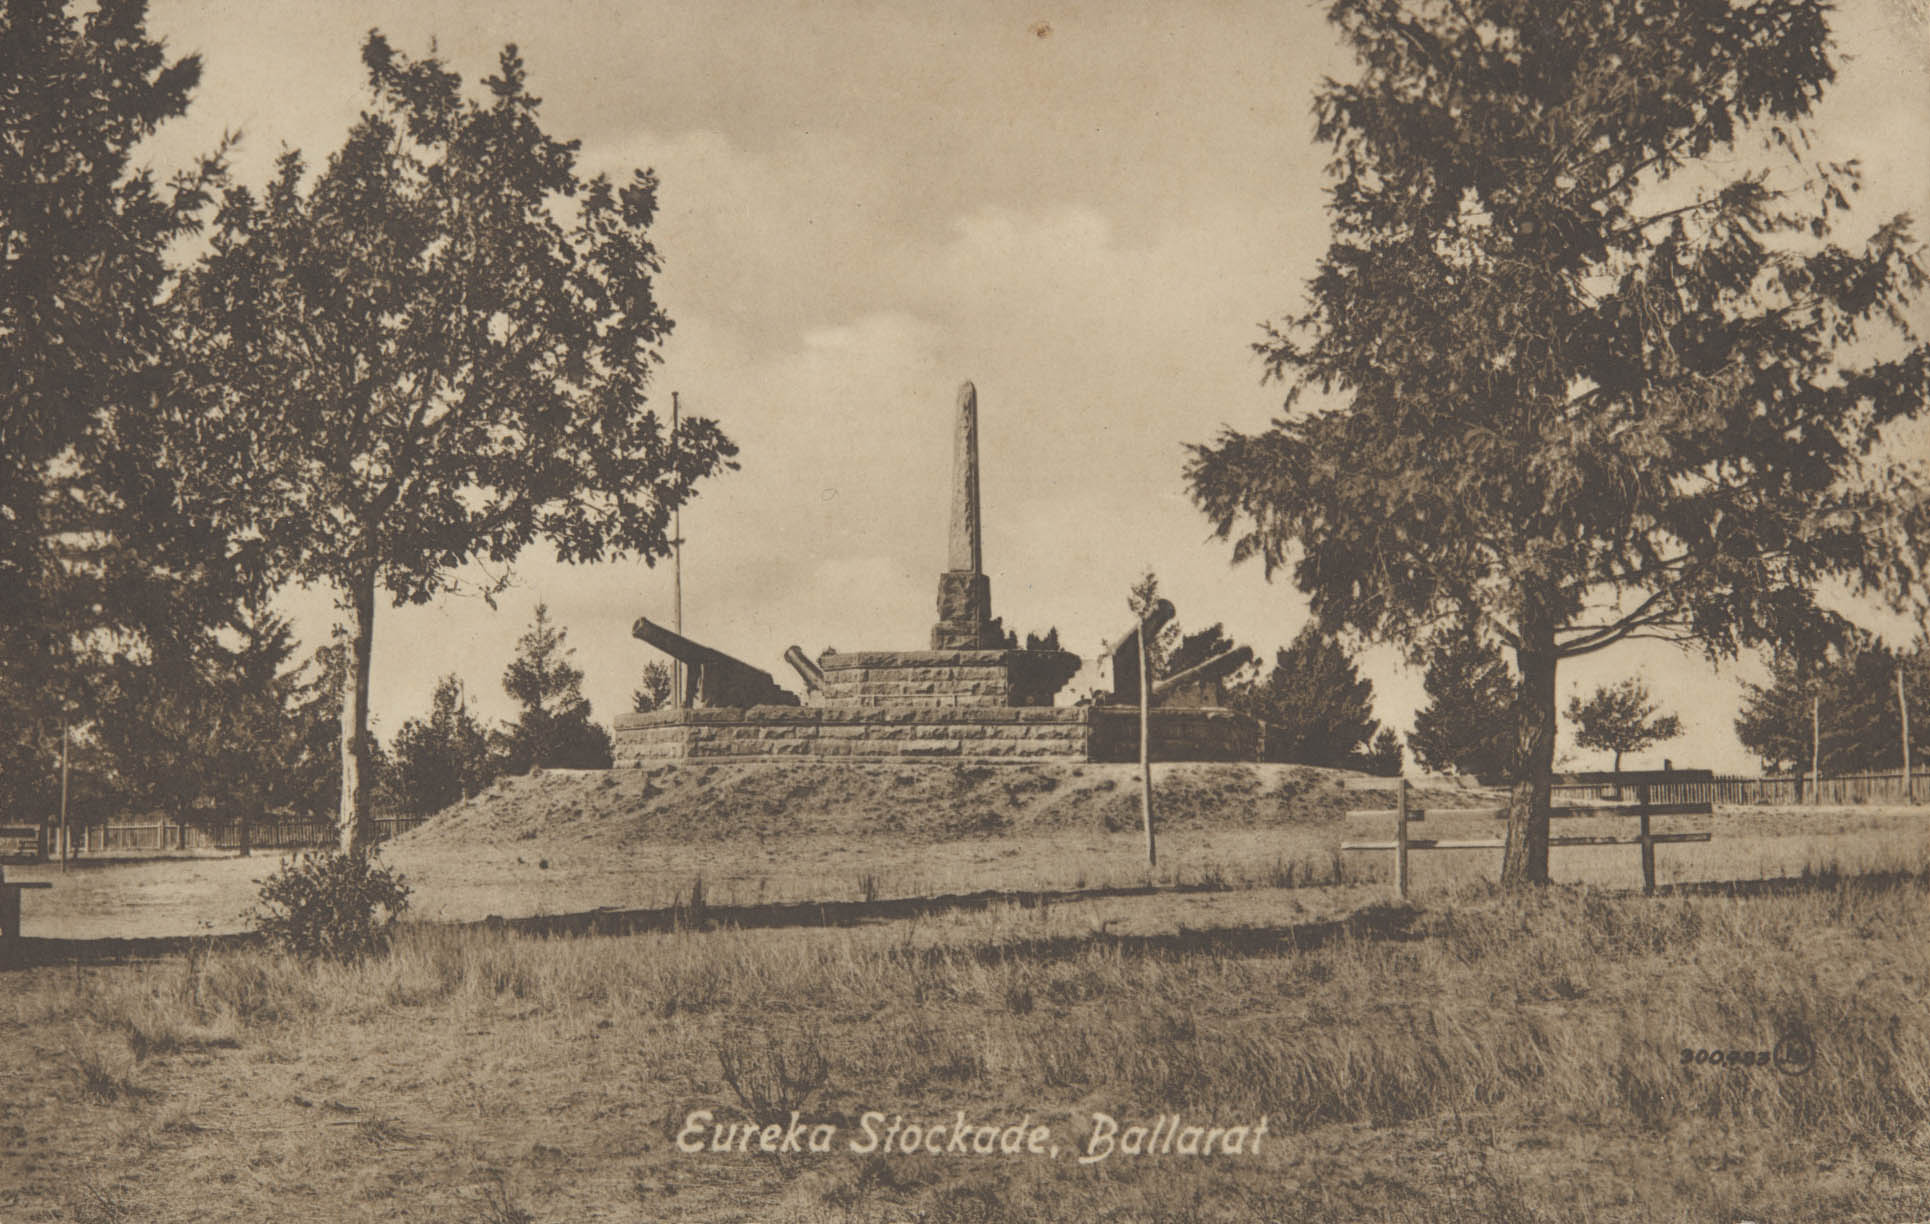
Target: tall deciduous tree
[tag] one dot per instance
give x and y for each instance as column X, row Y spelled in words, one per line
column 1467, row 725
column 436, row 351
column 554, row 727
column 1593, row 376
column 1621, row 718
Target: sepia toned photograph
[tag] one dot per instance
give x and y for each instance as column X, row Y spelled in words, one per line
column 841, row 612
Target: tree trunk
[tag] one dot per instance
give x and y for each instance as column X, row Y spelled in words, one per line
column 352, row 817
column 1525, row 860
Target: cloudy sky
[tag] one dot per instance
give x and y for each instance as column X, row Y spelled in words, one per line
column 1087, row 209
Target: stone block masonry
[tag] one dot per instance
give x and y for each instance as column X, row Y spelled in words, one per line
column 945, row 678
column 902, row 732
column 897, row 733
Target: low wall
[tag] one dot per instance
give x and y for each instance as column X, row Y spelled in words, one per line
column 900, row 733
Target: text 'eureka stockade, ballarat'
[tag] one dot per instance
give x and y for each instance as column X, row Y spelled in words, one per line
column 896, row 1135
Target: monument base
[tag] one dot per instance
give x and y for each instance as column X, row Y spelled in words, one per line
column 929, row 678
column 900, row 735
column 965, row 620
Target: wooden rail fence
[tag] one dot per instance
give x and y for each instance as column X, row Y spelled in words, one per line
column 1644, row 807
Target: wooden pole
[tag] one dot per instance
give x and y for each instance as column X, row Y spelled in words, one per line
column 1400, row 838
column 1903, row 708
column 676, row 567
column 1815, row 751
column 1146, row 747
column 1648, row 842
column 66, row 838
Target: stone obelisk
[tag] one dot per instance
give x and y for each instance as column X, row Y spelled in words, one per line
column 964, row 592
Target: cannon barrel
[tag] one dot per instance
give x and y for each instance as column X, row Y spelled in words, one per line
column 1213, row 670
column 1124, row 652
column 677, row 646
column 807, row 671
column 1156, row 618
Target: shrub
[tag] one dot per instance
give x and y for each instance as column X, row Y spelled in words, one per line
column 323, row 905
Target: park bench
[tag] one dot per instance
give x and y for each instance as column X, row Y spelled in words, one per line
column 1640, row 807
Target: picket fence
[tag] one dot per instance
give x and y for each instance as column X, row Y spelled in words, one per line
column 159, row 835
column 1738, row 790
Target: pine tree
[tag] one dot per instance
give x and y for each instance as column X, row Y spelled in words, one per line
column 1467, row 724
column 1597, row 355
column 443, row 759
column 656, row 681
column 1318, row 709
column 1197, row 647
column 1856, row 686
column 554, row 729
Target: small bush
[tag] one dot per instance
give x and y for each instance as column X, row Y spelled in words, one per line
column 324, row 905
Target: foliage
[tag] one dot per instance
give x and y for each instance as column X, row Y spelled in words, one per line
column 1621, row 718
column 657, row 681
column 1141, row 600
column 1595, row 369
column 1383, row 760
column 1466, row 725
column 99, row 546
column 443, row 759
column 1317, row 707
column 554, row 728
column 1049, row 640
column 436, row 351
column 1860, row 722
column 210, row 730
column 332, row 905
column 1197, row 647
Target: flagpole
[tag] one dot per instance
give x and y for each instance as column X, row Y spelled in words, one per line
column 676, row 566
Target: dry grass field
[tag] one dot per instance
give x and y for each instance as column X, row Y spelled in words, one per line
column 1472, row 1057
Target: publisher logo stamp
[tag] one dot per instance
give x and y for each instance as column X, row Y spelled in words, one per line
column 1795, row 1054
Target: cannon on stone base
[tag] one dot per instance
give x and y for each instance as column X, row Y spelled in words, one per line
column 1201, row 685
column 713, row 679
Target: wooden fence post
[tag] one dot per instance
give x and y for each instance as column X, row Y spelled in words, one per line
column 1648, row 843
column 1815, row 751
column 1400, row 837
column 1146, row 744
column 1903, row 709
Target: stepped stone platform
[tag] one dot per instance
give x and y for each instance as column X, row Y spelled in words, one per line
column 974, row 734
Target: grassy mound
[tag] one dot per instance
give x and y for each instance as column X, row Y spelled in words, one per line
column 919, row 802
